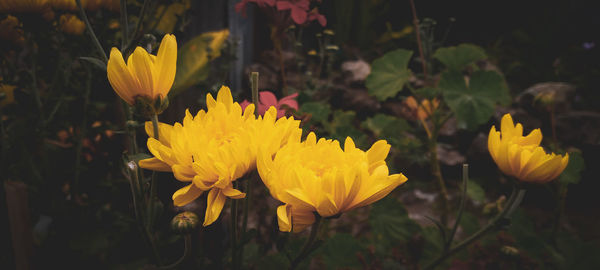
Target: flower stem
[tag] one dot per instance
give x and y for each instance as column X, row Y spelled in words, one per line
column 187, row 249
column 513, row 202
column 91, row 31
column 152, row 198
column 246, row 208
column 418, row 33
column 234, row 261
column 309, row 243
column 254, row 86
column 437, row 173
column 124, row 24
column 463, row 199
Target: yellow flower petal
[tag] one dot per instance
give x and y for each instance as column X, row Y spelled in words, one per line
column 186, row 195
column 166, row 64
column 120, row 77
column 284, row 218
column 214, row 206
column 154, row 164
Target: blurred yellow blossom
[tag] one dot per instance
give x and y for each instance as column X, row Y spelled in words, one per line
column 425, row 110
column 26, row 6
column 521, row 156
column 70, row 24
column 215, row 148
column 319, row 177
column 10, row 29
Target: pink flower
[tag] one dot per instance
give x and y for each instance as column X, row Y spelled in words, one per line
column 268, row 99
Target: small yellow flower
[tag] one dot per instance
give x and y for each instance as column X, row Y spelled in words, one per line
column 144, row 75
column 521, row 156
column 312, row 52
column 70, row 24
column 215, row 148
column 318, row 176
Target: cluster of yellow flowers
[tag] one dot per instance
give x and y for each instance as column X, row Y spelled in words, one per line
column 312, row 178
column 218, row 146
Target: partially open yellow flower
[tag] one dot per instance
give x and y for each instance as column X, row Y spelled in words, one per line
column 521, row 156
column 70, row 24
column 215, row 148
column 319, row 177
column 144, row 75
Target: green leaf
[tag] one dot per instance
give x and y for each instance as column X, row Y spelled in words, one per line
column 473, row 104
column 428, row 92
column 193, row 57
column 469, row 223
column 319, row 111
column 342, row 126
column 387, row 127
column 390, row 223
column 475, row 191
column 389, row 73
column 340, row 252
column 572, row 174
column 459, row 57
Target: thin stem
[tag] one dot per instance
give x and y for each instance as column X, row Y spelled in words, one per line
column 437, row 173
column 234, row 205
column 151, row 199
column 254, row 86
column 246, row 208
column 463, row 199
column 563, row 189
column 419, row 43
column 187, row 249
column 124, row 25
column 512, row 203
column 309, row 243
column 91, row 31
column 137, row 26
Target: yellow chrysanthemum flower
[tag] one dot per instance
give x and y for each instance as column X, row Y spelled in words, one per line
column 521, row 156
column 7, row 94
column 144, row 75
column 215, row 148
column 318, row 176
column 70, row 24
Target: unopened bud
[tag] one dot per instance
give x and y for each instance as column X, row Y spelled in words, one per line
column 184, row 222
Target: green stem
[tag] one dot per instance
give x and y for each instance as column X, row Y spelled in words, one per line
column 246, row 208
column 309, row 243
column 234, row 205
column 437, row 173
column 139, row 23
column 512, row 203
column 187, row 249
column 124, row 25
column 560, row 208
column 254, row 87
column 152, row 198
column 91, row 32
column 463, row 199
column 419, row 43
